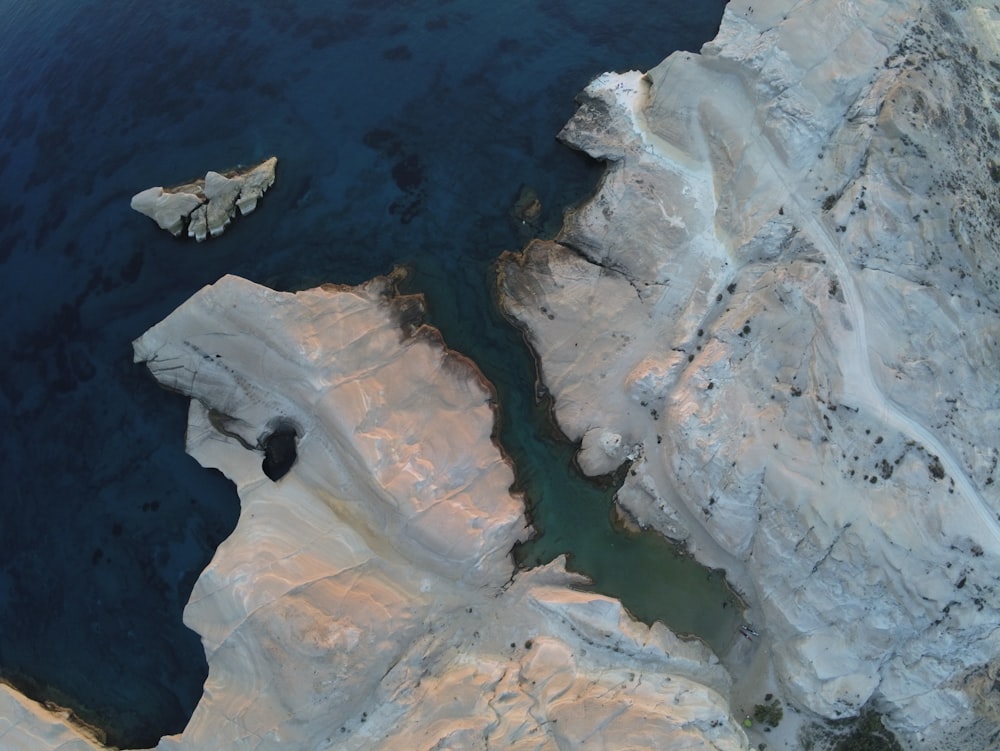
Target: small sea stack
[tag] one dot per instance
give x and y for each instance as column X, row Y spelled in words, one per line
column 205, row 207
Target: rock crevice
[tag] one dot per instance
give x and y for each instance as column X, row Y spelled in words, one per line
column 204, row 208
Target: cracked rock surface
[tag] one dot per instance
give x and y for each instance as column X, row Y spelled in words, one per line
column 204, row 208
column 785, row 294
column 367, row 599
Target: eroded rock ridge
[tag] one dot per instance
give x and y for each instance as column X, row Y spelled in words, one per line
column 367, row 598
column 782, row 302
column 205, row 207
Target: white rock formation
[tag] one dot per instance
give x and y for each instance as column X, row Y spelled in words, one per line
column 366, row 599
column 206, row 207
column 786, row 290
column 26, row 725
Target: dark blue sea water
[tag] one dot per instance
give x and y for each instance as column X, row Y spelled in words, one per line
column 405, row 131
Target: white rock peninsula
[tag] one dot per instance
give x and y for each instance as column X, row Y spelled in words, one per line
column 367, row 599
column 26, row 725
column 205, row 207
column 783, row 302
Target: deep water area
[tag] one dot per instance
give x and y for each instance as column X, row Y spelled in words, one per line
column 405, row 133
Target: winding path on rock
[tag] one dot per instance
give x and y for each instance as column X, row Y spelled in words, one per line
column 859, row 381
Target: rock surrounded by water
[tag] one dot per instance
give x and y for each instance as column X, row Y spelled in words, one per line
column 204, row 208
column 783, row 301
column 367, row 598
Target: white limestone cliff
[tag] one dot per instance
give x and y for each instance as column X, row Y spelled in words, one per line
column 784, row 297
column 204, row 208
column 367, row 599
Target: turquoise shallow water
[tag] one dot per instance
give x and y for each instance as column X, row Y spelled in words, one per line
column 654, row 578
column 405, row 131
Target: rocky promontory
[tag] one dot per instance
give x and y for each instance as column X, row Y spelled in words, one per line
column 205, row 207
column 367, row 598
column 26, row 725
column 781, row 306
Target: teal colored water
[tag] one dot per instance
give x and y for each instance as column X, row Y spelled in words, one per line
column 652, row 577
column 405, row 131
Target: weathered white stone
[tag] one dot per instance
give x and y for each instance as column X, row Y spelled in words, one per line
column 168, row 210
column 198, row 223
column 204, row 208
column 26, row 725
column 601, row 451
column 222, row 193
column 367, row 599
column 255, row 184
column 786, row 288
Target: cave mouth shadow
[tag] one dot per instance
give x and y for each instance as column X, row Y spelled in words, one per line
column 280, row 449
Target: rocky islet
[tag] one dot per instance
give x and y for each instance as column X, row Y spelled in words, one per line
column 205, row 207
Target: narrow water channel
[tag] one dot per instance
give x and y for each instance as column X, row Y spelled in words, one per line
column 653, row 577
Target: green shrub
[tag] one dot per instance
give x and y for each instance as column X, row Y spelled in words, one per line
column 769, row 714
column 869, row 735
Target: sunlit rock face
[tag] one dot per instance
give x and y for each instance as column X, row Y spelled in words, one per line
column 26, row 725
column 783, row 299
column 204, row 208
column 366, row 599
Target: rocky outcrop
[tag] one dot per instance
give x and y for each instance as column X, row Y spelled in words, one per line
column 204, row 208
column 782, row 302
column 26, row 725
column 367, row 599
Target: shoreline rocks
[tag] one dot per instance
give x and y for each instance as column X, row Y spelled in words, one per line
column 26, row 725
column 784, row 291
column 367, row 598
column 204, row 208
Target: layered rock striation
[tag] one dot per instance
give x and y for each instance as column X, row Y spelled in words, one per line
column 781, row 305
column 204, row 208
column 366, row 598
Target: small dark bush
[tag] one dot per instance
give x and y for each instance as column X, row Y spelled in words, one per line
column 869, row 735
column 769, row 714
